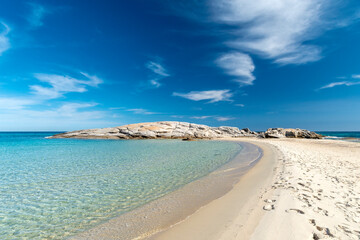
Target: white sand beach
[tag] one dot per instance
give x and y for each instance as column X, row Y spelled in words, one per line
column 301, row 189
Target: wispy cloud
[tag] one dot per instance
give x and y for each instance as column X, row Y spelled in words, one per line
column 60, row 85
column 141, row 111
column 201, row 117
column 239, row 105
column 274, row 29
column 158, row 73
column 4, row 40
column 223, row 119
column 35, row 18
column 212, row 95
column 72, row 109
column 239, row 65
column 216, row 117
column 15, row 103
column 67, row 116
column 343, row 83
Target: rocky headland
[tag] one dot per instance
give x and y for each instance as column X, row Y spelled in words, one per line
column 182, row 130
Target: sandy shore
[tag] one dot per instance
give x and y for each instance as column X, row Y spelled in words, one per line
column 300, row 189
column 236, row 214
column 317, row 191
column 312, row 191
column 168, row 210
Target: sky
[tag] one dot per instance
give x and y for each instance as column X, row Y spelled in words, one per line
column 68, row 65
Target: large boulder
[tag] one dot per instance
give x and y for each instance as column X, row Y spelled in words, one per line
column 290, row 133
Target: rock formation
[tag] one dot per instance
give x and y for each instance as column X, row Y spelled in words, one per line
column 180, row 130
column 290, row 133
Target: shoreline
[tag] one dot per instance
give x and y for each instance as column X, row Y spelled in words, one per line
column 174, row 207
column 300, row 189
column 237, row 213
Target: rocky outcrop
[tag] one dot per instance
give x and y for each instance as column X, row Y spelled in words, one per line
column 290, row 133
column 177, row 130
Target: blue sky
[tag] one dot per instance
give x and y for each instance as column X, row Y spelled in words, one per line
column 69, row 65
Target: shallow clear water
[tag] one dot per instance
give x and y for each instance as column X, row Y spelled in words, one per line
column 54, row 188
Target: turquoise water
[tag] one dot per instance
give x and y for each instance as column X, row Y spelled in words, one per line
column 54, row 188
column 341, row 134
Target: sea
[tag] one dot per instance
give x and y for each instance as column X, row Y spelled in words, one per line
column 57, row 188
column 352, row 136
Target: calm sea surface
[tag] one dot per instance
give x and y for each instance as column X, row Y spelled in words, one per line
column 54, row 188
column 341, row 134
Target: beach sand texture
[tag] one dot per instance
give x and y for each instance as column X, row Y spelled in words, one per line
column 316, row 192
column 313, row 193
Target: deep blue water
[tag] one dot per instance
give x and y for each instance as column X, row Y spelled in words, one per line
column 54, row 188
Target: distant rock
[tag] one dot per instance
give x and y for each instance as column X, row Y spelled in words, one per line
column 179, row 130
column 290, row 133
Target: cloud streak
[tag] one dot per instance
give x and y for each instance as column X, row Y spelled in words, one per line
column 4, row 40
column 38, row 12
column 274, row 29
column 158, row 73
column 238, row 65
column 15, row 103
column 200, row 117
column 60, row 85
column 140, row 111
column 343, row 83
column 212, row 95
column 223, row 119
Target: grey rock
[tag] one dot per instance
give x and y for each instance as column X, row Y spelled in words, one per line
column 181, row 130
column 290, row 133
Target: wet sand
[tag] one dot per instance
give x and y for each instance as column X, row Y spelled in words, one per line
column 173, row 208
column 311, row 191
column 236, row 214
column 300, row 189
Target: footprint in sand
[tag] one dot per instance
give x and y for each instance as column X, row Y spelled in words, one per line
column 296, row 210
column 269, row 207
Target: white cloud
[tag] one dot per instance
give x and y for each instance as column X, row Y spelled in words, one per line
column 141, row 111
column 61, row 85
column 4, row 40
column 223, row 119
column 15, row 103
column 212, row 95
column 159, row 73
column 177, row 116
column 274, row 29
column 68, row 116
column 239, row 105
column 238, row 65
column 37, row 14
column 201, row 117
column 72, row 109
column 217, row 118
column 157, row 68
column 344, row 83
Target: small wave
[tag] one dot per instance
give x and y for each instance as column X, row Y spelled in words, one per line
column 332, row 137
